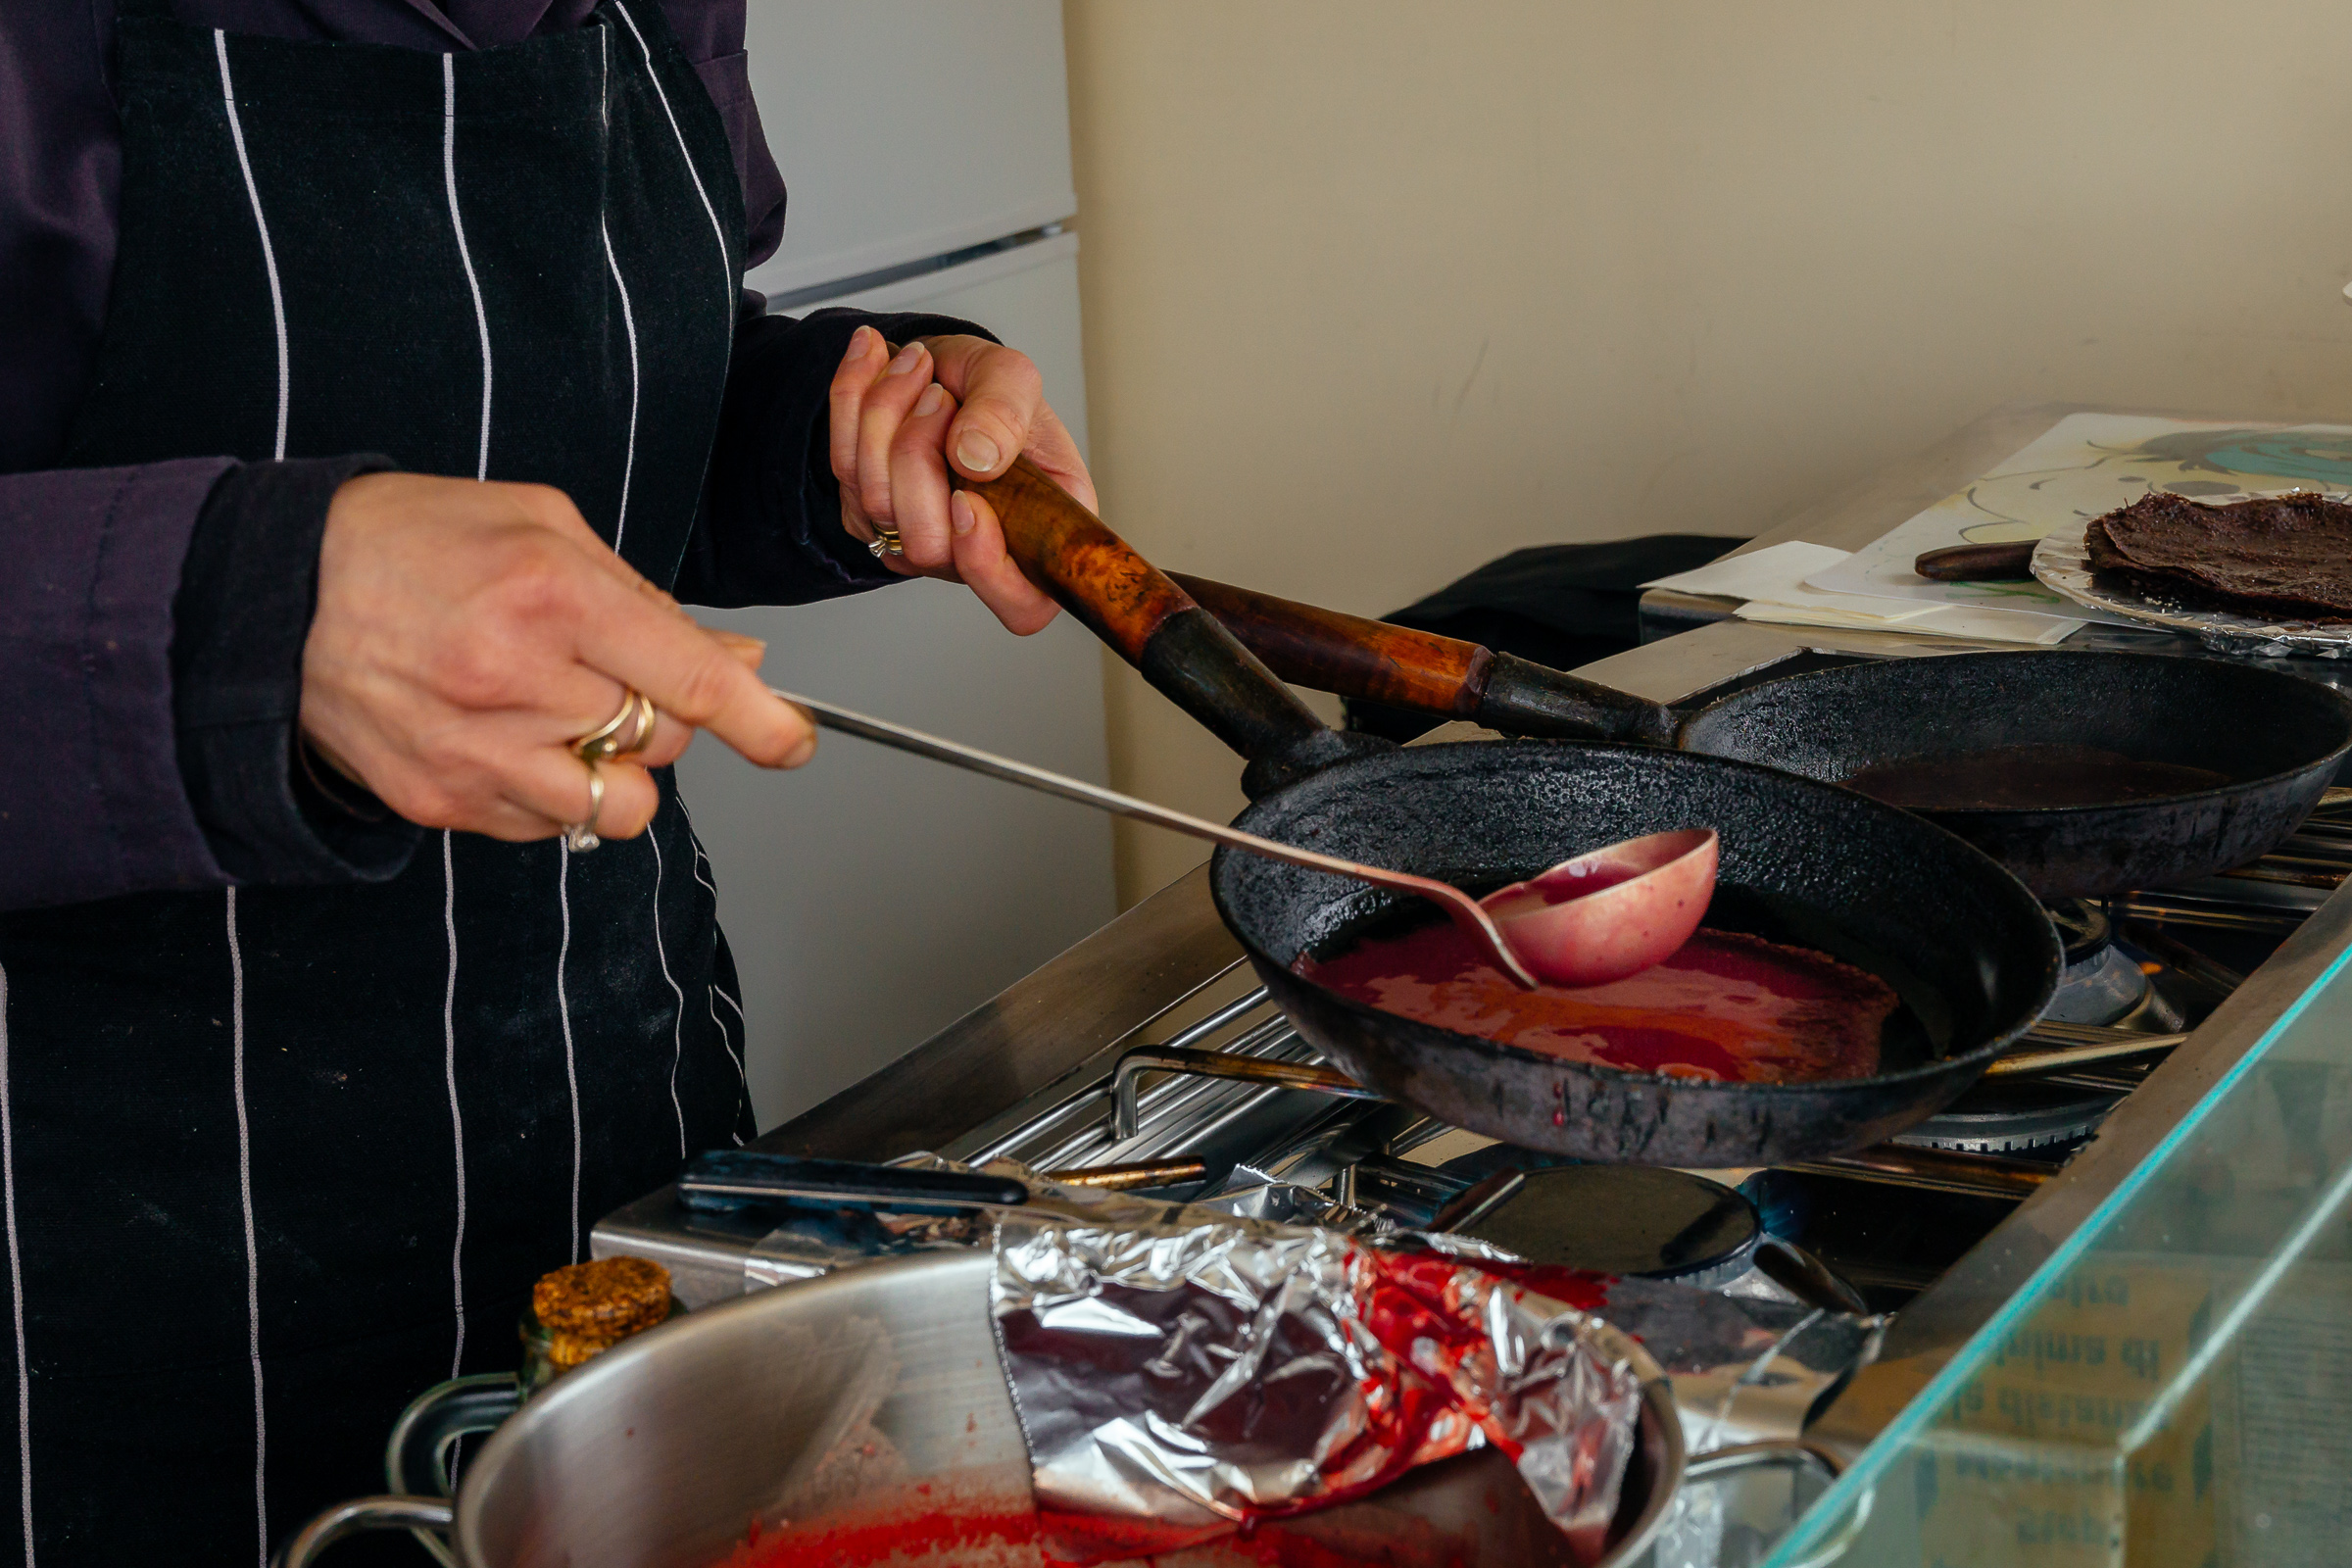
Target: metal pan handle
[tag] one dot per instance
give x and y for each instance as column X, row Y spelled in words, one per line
column 734, row 1178
column 1791, row 1453
column 416, row 1458
column 1423, row 672
column 359, row 1515
column 1127, row 1115
column 1794, row 1453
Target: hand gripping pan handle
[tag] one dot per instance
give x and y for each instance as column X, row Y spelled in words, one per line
column 1155, row 626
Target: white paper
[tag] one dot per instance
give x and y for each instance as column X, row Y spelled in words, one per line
column 1938, row 620
column 2085, row 467
column 1758, row 575
column 1773, row 582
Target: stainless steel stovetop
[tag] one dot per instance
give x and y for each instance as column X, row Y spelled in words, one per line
column 1864, row 1213
column 1941, row 1226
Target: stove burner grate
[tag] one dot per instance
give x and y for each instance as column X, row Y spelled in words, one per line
column 2015, row 1117
column 2101, row 982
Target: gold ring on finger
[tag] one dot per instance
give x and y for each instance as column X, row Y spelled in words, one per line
column 606, row 742
column 642, row 730
column 581, row 837
column 885, row 541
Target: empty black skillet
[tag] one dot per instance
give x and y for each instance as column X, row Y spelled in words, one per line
column 2271, row 741
column 1961, row 941
column 2275, row 739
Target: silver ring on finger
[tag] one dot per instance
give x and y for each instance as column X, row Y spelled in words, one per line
column 581, row 837
column 885, row 541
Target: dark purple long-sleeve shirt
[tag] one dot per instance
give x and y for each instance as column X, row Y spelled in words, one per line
column 104, row 791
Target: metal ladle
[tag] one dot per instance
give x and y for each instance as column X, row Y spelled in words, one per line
column 1646, row 897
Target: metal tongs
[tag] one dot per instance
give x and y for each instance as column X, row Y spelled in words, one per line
column 727, row 1180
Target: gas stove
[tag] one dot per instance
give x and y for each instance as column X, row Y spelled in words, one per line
column 1158, row 1063
column 1147, row 1057
column 1092, row 1069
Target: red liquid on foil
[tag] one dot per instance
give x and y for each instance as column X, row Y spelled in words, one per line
column 1727, row 1007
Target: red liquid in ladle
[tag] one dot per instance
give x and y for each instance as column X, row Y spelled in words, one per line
column 1727, row 1007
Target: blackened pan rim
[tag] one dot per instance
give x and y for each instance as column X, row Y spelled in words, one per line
column 2024, row 815
column 1928, row 658
column 2045, row 986
column 2319, row 691
column 1662, row 756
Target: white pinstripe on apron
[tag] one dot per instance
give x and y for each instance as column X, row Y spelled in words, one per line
column 472, row 264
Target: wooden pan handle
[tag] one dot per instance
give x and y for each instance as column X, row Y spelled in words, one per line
column 1065, row 549
column 2001, row 562
column 1424, row 672
column 1156, row 627
column 1349, row 655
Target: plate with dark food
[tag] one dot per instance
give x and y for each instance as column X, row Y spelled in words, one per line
column 2269, row 575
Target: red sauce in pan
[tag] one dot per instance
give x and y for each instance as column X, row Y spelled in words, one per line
column 1727, row 1007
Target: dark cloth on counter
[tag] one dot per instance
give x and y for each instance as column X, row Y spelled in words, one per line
column 1556, row 605
column 281, row 1157
column 107, row 794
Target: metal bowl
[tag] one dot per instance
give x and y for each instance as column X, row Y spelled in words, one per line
column 869, row 1405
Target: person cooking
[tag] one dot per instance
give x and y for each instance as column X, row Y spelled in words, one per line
column 375, row 377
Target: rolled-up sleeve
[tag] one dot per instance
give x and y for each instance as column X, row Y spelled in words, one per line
column 91, row 801
column 770, row 527
column 770, row 531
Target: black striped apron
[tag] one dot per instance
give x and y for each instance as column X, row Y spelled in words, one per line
column 273, row 1160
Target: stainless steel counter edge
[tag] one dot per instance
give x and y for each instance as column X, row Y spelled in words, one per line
column 1026, row 1036
column 1698, row 660
column 1934, row 1327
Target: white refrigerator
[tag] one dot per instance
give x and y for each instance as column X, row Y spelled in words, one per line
column 872, row 898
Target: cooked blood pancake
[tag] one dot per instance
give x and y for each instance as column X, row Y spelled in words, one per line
column 2277, row 555
column 1728, row 1008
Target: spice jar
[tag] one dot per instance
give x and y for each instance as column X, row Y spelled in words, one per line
column 584, row 1309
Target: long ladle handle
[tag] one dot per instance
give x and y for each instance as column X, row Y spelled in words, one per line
column 1464, row 909
column 1377, row 662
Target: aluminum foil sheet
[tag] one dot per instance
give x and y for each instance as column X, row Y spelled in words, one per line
column 1180, row 1373
column 1287, row 1203
column 1746, row 1360
column 1743, row 1365
column 1235, row 1371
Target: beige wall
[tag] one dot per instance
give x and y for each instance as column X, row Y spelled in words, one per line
column 1376, row 291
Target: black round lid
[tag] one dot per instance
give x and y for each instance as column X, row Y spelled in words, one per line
column 1623, row 1220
